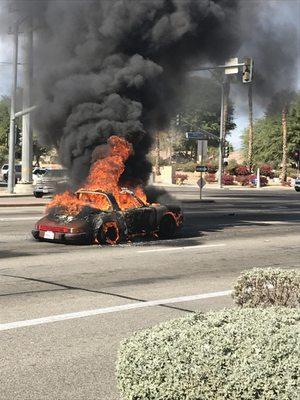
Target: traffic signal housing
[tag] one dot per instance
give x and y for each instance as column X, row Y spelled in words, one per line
column 296, row 155
column 178, row 120
column 226, row 150
column 247, row 70
column 18, row 136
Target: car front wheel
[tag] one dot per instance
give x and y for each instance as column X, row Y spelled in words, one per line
column 38, row 194
column 167, row 227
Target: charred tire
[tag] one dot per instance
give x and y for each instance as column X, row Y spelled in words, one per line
column 109, row 234
column 167, row 227
column 38, row 194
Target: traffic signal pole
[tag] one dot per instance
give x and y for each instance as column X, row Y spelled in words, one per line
column 221, row 137
column 12, row 135
column 26, row 176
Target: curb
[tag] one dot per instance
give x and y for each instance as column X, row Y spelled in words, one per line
column 15, row 196
column 22, row 204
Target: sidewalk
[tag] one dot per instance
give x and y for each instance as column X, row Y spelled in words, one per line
column 22, row 201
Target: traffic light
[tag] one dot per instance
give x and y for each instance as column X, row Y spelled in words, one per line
column 178, row 120
column 226, row 150
column 18, row 136
column 296, row 155
column 247, row 70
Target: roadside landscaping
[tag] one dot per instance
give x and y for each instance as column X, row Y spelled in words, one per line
column 234, row 174
column 250, row 352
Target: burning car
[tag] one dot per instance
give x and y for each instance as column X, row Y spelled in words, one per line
column 104, row 212
column 108, row 219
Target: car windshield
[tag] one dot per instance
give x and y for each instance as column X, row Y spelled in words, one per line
column 96, row 200
column 39, row 171
column 5, row 166
column 55, row 173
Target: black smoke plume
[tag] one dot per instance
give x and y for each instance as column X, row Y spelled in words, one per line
column 106, row 67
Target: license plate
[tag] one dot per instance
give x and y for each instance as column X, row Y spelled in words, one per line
column 49, row 235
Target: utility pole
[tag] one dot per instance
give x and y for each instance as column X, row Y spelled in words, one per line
column 221, row 136
column 250, row 132
column 12, row 139
column 27, row 102
column 157, row 154
column 284, row 144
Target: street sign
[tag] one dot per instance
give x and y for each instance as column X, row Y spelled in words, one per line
column 230, row 66
column 201, row 135
column 201, row 168
column 201, row 183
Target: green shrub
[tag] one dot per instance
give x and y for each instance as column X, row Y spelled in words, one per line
column 189, row 167
column 292, row 173
column 245, row 353
column 268, row 287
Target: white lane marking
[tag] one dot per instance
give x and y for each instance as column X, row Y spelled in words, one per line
column 200, row 246
column 271, row 222
column 107, row 310
column 11, row 219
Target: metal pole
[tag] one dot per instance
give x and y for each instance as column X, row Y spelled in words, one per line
column 258, row 179
column 201, row 171
column 11, row 156
column 250, row 133
column 26, row 119
column 221, row 137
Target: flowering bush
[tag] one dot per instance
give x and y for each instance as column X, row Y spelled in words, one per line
column 242, row 170
column 267, row 170
column 210, row 178
column 180, row 178
column 227, row 179
column 268, row 287
column 263, row 180
column 243, row 180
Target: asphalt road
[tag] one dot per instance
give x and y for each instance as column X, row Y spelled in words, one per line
column 65, row 309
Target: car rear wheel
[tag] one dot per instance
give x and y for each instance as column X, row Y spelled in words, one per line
column 167, row 227
column 38, row 194
column 297, row 189
column 109, row 233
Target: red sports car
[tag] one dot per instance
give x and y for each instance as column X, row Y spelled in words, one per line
column 109, row 225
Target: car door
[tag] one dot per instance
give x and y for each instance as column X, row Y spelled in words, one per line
column 139, row 218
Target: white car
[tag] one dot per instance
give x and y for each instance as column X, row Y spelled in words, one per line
column 50, row 181
column 297, row 184
column 4, row 169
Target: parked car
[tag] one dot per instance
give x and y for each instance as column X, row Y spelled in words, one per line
column 37, row 173
column 108, row 224
column 49, row 182
column 5, row 170
column 297, row 184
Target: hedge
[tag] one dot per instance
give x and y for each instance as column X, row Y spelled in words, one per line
column 268, row 287
column 243, row 353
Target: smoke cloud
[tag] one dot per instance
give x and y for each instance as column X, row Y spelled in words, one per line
column 105, row 67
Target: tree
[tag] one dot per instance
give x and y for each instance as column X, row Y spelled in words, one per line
column 280, row 103
column 269, row 141
column 4, row 128
column 201, row 107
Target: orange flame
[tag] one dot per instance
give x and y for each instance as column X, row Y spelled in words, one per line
column 104, row 176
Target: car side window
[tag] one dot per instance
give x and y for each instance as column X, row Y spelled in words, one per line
column 126, row 201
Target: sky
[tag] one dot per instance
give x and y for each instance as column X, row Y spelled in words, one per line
column 239, row 98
